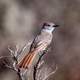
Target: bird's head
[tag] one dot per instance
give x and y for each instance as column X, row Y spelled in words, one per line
column 49, row 27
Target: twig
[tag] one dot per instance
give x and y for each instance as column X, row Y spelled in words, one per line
column 23, row 48
column 50, row 74
column 36, row 66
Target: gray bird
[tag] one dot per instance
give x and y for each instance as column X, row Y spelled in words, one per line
column 45, row 36
column 40, row 43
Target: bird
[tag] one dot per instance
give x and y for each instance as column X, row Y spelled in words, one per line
column 39, row 44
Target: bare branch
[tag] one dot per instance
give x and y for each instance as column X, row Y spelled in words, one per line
column 45, row 78
column 36, row 66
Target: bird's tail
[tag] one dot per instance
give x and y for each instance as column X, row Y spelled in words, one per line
column 27, row 60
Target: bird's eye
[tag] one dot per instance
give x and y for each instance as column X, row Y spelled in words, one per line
column 48, row 25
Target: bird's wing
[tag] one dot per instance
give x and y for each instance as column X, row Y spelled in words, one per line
column 35, row 43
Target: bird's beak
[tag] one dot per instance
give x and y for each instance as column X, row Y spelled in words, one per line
column 56, row 26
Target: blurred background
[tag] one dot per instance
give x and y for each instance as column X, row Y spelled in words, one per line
column 21, row 20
